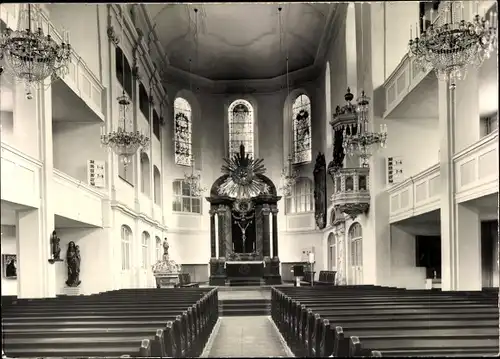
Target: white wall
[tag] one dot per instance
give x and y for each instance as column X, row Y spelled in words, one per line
column 8, row 246
column 74, row 144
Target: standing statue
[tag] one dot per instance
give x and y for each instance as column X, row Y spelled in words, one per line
column 165, row 247
column 73, row 262
column 55, row 247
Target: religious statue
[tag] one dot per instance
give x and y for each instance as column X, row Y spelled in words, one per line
column 165, row 247
column 73, row 260
column 243, row 219
column 55, row 247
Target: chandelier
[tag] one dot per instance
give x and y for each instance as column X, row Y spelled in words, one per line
column 288, row 178
column 29, row 55
column 243, row 180
column 359, row 141
column 288, row 175
column 194, row 181
column 451, row 43
column 122, row 142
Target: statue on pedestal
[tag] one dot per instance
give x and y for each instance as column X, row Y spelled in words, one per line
column 73, row 260
column 165, row 270
column 55, row 246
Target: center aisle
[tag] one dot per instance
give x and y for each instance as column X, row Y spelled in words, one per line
column 249, row 336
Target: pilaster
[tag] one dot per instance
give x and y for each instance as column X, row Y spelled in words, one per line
column 266, row 249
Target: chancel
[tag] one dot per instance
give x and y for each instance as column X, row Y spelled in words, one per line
column 249, row 179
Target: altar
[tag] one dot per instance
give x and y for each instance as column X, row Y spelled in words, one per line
column 244, row 233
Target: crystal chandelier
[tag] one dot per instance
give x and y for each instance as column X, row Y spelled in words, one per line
column 359, row 142
column 194, row 181
column 451, row 43
column 29, row 55
column 122, row 142
column 288, row 175
column 243, row 179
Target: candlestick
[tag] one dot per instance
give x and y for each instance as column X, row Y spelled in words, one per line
column 423, row 23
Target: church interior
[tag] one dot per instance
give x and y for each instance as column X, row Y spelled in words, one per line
column 249, row 179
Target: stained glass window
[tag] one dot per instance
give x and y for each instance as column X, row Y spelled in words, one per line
column 182, row 123
column 241, row 127
column 301, row 125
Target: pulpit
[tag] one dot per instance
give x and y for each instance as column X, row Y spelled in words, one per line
column 244, row 236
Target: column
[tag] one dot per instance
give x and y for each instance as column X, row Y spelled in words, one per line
column 266, row 250
column 221, row 212
column 274, row 212
column 468, row 243
column 212, row 234
column 136, row 160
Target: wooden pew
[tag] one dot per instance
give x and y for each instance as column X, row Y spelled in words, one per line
column 183, row 335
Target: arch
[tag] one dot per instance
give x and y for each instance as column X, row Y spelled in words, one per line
column 301, row 129
column 158, row 248
column 126, row 239
column 183, row 131
column 301, row 198
column 144, row 101
column 288, row 131
column 145, row 249
column 332, row 251
column 241, row 127
column 214, row 190
column 123, row 71
column 355, row 237
column 145, row 174
column 157, row 185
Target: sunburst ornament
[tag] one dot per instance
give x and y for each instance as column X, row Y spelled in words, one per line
column 243, row 181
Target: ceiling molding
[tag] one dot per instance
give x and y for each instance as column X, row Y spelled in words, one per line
column 202, row 84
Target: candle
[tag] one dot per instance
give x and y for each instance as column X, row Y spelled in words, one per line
column 432, row 13
column 462, row 10
column 411, row 33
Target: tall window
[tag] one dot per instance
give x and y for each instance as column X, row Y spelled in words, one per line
column 356, row 253
column 183, row 131
column 157, row 185
column 184, row 200
column 123, row 71
column 145, row 174
column 144, row 101
column 159, row 253
column 156, row 124
column 301, row 198
column 332, row 252
column 301, row 126
column 145, row 250
column 241, row 122
column 126, row 235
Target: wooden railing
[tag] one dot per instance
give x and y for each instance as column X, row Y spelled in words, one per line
column 417, row 195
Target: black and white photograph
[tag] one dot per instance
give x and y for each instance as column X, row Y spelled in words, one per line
column 250, row 179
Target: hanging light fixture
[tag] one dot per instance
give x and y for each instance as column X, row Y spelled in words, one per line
column 194, row 178
column 29, row 55
column 288, row 175
column 123, row 142
column 360, row 141
column 451, row 43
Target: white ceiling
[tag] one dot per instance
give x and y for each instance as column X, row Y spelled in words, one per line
column 240, row 40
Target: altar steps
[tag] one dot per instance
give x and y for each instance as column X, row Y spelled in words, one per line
column 244, row 307
column 245, row 282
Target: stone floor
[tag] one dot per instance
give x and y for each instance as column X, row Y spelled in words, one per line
column 246, row 337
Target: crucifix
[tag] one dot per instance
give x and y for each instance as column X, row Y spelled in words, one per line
column 244, row 219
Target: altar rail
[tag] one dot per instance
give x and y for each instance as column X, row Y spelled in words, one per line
column 476, row 169
column 417, row 195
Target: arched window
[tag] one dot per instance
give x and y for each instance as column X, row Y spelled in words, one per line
column 145, row 250
column 183, row 131
column 123, row 71
column 126, row 236
column 356, row 253
column 301, row 126
column 184, row 200
column 145, row 174
column 301, row 198
column 332, row 252
column 159, row 253
column 241, row 122
column 157, row 185
column 144, row 101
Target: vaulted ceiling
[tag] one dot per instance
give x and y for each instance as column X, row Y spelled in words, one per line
column 240, row 41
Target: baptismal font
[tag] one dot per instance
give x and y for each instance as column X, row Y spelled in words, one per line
column 166, row 270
